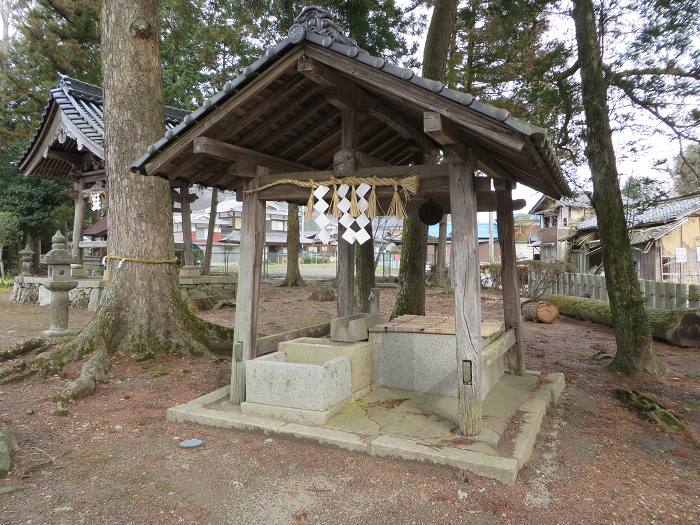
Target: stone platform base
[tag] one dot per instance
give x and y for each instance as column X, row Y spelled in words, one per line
column 411, row 425
column 205, row 291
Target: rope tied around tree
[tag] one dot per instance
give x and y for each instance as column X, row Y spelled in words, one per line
column 409, row 185
column 122, row 260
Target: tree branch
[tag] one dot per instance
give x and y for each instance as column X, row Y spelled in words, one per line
column 668, row 70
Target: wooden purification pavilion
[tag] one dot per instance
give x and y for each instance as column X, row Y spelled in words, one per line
column 316, row 107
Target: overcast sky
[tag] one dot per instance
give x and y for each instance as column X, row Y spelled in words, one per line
column 649, row 148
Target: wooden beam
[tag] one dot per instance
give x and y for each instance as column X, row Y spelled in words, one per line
column 267, row 141
column 442, row 132
column 266, row 105
column 420, row 98
column 66, row 156
column 511, row 290
column 279, row 116
column 249, row 268
column 465, row 251
column 178, row 146
column 315, row 148
column 341, row 93
column 219, row 150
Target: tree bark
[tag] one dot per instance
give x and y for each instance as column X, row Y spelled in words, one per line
column 206, row 263
column 364, row 273
column 293, row 277
column 635, row 351
column 439, row 38
column 410, row 298
column 141, row 311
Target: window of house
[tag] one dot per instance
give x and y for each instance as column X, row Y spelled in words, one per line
column 202, row 233
column 278, row 226
column 564, row 221
column 237, row 221
column 177, row 227
column 554, row 222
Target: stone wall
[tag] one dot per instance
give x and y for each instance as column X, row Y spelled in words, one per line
column 206, row 291
column 32, row 290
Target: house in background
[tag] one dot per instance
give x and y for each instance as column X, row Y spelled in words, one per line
column 665, row 241
column 558, row 220
column 275, row 229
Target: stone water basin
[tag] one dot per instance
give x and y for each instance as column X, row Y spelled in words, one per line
column 319, row 349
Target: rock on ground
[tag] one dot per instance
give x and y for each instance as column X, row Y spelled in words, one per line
column 8, row 449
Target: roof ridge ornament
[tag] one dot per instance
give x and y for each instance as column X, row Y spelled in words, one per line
column 316, row 19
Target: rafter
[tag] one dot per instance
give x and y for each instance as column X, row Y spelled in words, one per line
column 341, row 93
column 219, row 150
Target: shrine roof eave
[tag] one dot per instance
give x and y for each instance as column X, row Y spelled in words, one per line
column 72, row 123
column 538, row 144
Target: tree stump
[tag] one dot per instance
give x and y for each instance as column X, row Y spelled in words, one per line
column 540, row 312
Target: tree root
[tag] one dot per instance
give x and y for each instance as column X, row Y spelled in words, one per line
column 94, row 371
column 650, row 408
column 22, row 347
column 109, row 333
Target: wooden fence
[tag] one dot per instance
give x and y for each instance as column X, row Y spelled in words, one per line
column 657, row 294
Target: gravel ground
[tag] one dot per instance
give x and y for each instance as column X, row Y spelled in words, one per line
column 114, row 459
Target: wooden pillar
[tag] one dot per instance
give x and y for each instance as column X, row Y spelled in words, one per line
column 467, row 290
column 78, row 220
column 509, row 280
column 249, row 268
column 185, row 211
column 206, row 263
column 344, row 166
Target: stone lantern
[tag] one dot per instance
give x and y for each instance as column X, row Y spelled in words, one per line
column 59, row 283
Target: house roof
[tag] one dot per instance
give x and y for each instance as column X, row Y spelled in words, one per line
column 73, row 122
column 664, row 212
column 307, row 119
column 97, row 229
column 548, row 204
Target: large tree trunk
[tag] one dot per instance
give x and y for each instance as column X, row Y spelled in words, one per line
column 635, row 351
column 364, row 273
column 293, row 277
column 141, row 311
column 410, row 298
column 206, row 263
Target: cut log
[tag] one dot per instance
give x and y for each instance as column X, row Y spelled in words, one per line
column 678, row 327
column 540, row 312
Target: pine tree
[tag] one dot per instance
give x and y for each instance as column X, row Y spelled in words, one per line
column 410, row 298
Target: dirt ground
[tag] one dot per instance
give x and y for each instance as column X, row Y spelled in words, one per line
column 115, row 459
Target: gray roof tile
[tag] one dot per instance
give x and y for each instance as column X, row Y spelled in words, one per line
column 329, row 36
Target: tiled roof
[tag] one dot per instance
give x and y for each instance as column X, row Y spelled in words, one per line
column 317, row 28
column 81, row 103
column 665, row 211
